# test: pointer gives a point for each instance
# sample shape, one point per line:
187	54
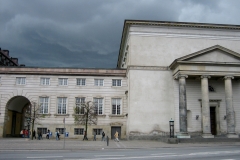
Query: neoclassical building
187	72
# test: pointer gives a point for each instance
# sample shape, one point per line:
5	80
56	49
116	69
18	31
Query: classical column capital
228	77
182	76
205	76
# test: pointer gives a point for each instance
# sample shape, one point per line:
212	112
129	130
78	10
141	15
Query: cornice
62	71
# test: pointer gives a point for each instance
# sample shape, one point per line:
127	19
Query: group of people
116	135
24	133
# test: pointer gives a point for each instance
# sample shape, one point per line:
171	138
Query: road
184	153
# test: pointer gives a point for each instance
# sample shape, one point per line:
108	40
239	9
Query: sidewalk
77	144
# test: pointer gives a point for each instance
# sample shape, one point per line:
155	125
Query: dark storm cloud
87	33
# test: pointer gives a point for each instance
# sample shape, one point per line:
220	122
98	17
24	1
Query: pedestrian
40	135
34	134
56	134
85	136
94	136
47	136
103	136
116	136
26	134
21	133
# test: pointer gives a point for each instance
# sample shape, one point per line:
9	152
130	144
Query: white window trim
116	83
21	81
80	84
44	81
103	107
48	104
98	79
121	105
63	84
76	103
66	106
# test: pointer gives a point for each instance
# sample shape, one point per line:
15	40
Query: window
21	80
43	105
62	81
79	102
43	130
211	89
61	130
98	131
116	82
116	106
81	82
62	105
45	81
98	82
78	131
98	105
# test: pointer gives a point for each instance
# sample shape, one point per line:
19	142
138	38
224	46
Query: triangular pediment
213	54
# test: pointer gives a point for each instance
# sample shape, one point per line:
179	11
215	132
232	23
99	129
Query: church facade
186	72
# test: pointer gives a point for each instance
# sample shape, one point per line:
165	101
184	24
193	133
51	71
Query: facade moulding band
212	100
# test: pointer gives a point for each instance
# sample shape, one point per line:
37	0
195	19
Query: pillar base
207	135
232	135
183	135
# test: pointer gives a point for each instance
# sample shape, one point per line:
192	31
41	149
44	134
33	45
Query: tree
85	114
33	115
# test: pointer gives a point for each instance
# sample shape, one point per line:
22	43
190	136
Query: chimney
6	52
15	60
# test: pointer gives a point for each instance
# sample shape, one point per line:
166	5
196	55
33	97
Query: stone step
206	140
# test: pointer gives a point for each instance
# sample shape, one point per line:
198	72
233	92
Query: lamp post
171	126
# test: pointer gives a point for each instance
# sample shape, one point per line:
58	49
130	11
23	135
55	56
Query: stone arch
14	120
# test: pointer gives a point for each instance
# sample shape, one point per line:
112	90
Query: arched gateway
15	116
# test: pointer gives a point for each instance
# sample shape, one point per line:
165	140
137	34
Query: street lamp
171	126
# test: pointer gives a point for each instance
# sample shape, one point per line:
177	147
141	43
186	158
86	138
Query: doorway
113	131
213	120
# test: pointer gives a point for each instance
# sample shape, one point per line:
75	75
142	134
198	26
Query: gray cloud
87	33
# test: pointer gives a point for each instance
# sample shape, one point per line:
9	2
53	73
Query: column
229	108
182	107
205	108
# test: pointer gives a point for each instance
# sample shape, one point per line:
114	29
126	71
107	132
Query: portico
197	66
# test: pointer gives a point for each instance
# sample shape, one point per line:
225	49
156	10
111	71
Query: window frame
97	82
21	80
98	105
82	81
61	81
43	130
115	108
61	130
42	110
115	82
61	109
43	81
80	131
98	131
79	104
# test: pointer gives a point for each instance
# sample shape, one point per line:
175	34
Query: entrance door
113	131
13	123
213	120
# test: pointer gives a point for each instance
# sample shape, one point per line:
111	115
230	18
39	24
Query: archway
15	116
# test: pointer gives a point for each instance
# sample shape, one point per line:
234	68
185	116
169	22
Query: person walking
94	136
116	136
56	134
85	136
103	136
21	133
47	136
34	134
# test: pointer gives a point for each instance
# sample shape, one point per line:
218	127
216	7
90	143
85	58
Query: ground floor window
78	131
61	130
42	130
98	131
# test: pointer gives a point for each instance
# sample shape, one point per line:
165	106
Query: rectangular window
98	105
62	105
116	82
78	131
81	82
43	130
98	131
45	81
43	105
61	130
79	102
98	82
21	80
62	81
116	106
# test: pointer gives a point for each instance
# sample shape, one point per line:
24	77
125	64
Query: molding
61	115
212	100
228	77
151	68
113	115
116	124
205	76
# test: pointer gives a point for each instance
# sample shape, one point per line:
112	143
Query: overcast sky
87	33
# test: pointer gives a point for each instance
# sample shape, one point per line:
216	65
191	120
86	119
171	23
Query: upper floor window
62	81
21	80
116	82
45	81
116	106
44	105
81	82
98	105
62	105
79	102
98	82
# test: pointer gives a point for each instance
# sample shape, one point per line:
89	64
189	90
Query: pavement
18	144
